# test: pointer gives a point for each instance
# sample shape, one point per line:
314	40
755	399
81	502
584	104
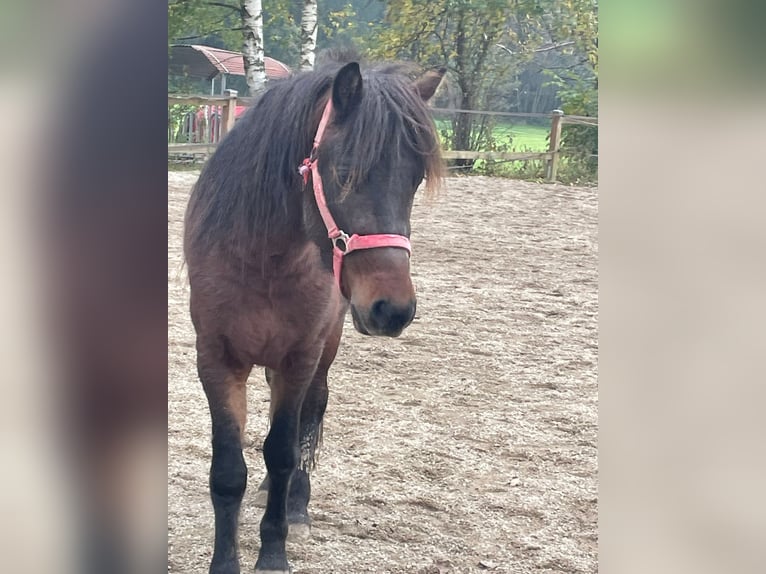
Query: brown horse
267	285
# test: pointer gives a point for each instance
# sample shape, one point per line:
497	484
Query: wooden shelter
215	65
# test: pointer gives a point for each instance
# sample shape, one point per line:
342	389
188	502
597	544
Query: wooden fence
229	102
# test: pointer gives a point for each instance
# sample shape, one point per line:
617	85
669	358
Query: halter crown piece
342	243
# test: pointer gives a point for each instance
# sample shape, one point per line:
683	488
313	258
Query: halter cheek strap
342	243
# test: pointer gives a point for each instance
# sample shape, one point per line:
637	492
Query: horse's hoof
299	532
273	564
225	567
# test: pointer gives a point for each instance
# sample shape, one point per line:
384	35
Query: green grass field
522	137
516	137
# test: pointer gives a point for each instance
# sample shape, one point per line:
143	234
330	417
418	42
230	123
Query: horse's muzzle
383	318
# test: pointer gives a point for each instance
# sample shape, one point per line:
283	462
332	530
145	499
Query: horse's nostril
381	311
388	317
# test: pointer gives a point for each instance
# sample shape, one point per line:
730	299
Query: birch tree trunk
308	34
252	50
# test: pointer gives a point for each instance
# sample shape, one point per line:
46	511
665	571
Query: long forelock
391	119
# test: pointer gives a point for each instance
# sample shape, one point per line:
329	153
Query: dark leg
312	413
310	433
224	382
281	453
300	487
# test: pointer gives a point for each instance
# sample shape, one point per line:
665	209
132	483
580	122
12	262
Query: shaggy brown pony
260	270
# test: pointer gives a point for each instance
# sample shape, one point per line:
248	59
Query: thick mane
251	186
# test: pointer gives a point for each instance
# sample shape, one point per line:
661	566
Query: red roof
206	62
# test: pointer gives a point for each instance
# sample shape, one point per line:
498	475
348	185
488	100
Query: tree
462	35
308	34
485	45
577	86
252	48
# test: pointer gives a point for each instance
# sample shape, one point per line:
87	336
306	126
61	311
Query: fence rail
229	102
497	155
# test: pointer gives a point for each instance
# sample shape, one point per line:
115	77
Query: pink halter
342	243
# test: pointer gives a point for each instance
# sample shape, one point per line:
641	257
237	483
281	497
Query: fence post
228	112
555	142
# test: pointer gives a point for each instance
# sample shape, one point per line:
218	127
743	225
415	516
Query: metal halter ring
341	242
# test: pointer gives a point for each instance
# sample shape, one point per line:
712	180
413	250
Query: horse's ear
347	90
427	83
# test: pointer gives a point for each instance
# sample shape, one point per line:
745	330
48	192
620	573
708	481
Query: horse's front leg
224	382
281	452
312	413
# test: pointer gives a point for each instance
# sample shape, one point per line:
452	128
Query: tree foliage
215	23
577	88
460	35
485	45
219	24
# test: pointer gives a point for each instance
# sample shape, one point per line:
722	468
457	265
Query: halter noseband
342	243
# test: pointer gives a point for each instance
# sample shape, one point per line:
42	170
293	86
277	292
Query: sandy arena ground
468	444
